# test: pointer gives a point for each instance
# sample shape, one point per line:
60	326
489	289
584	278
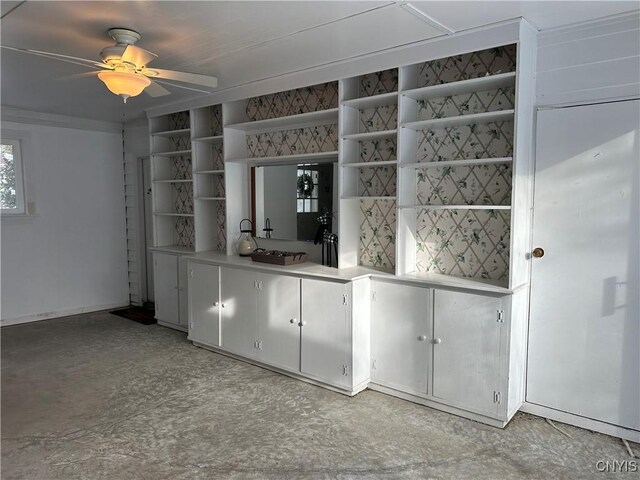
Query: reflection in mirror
290	198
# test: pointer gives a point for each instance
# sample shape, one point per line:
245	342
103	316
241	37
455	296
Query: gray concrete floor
99	396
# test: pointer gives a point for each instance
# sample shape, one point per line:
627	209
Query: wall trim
29	117
6	322
581	422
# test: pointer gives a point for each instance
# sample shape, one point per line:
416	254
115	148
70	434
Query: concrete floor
99	396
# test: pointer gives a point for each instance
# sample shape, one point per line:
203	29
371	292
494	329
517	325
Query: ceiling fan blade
138	56
85	62
92	73
164	82
156	90
193	78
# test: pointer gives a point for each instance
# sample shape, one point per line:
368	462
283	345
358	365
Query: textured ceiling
239	42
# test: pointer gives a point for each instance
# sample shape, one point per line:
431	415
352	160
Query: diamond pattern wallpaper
377	181
216	120
376	83
323	138
464	243
378	234
184	232
179	120
466	104
378	150
470	65
182	193
489	140
293	102
465	185
221	223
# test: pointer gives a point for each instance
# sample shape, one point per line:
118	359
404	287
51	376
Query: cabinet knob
293	320
302	323
215	304
436	341
222	305
422	338
538	252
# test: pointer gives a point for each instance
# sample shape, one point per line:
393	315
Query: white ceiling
239	42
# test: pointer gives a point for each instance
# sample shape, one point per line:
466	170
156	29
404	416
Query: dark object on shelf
267	228
279	257
328	240
137	314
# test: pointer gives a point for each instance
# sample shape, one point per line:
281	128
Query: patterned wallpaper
466	104
184	232
489	140
216	120
323	138
464	243
179	120
376	83
221	224
470	65
377	181
182	193
378	234
293	102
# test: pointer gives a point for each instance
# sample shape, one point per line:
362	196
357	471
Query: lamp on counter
246	244
125	84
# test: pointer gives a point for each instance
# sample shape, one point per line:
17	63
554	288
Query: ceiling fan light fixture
124	84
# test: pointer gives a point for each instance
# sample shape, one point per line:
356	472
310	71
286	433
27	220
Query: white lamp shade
124	84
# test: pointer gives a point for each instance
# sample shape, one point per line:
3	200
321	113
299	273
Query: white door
239	302
183	288
326	338
466	350
401	337
584	338
165	273
278	320
204	304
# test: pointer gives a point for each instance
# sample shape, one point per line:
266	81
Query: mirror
288	199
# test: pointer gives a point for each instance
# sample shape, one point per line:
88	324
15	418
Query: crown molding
29	117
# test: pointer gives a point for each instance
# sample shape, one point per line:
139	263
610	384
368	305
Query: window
307	190
11	178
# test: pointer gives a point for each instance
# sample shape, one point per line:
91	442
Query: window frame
20	183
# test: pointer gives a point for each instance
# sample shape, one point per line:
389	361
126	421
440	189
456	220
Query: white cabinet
466	350
326	336
401	338
239	312
261	316
170	287
204	304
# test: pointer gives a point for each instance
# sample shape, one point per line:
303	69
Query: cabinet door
326	337
165	281
204	304
239	312
466	350
401	339
278	318
183	288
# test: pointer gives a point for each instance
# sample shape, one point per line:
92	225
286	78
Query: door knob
422	338
538	252
436	341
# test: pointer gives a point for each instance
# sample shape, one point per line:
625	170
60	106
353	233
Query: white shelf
172	214
381	197
457	163
485	117
455	207
321	157
210	139
209	198
372	101
183	132
480	84
371	135
370	164
303	120
209	172
187	180
175	153
173	249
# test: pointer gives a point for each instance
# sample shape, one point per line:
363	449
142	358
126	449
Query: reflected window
307	189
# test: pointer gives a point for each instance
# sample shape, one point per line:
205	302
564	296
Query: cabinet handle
422	338
293	320
436	341
215	304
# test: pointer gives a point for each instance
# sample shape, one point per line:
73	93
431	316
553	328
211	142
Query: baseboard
6	322
172	326
582	422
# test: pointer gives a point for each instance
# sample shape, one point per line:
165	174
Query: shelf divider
484	117
302	120
480	84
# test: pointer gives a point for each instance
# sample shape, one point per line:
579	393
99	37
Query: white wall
278	200
70	256
589	63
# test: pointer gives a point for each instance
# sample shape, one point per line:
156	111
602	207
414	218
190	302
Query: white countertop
314	270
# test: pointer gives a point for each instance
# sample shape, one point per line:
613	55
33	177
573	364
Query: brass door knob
538	252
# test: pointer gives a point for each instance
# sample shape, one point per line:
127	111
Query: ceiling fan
124	68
